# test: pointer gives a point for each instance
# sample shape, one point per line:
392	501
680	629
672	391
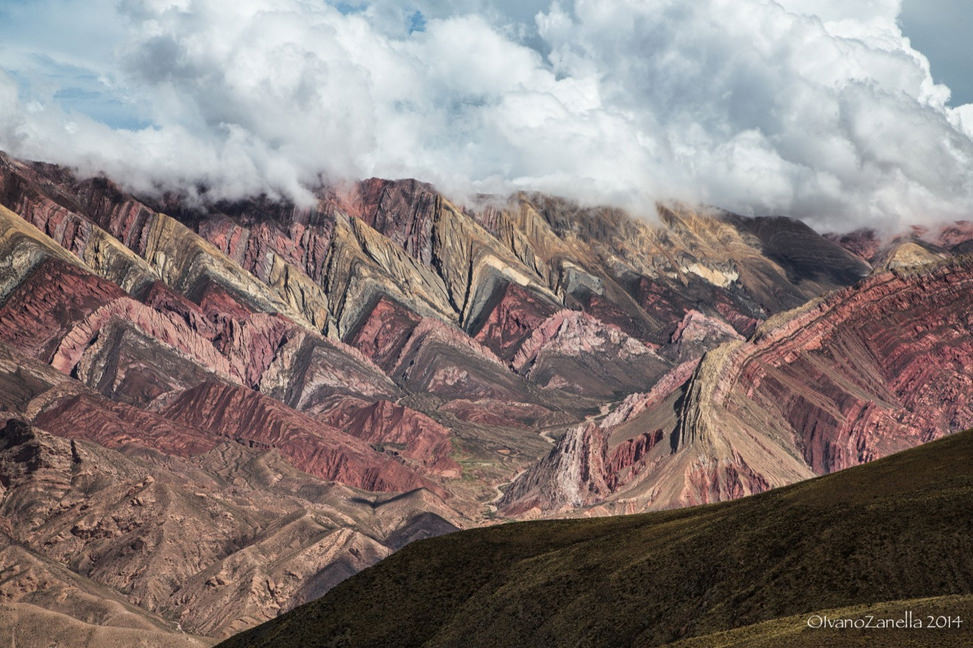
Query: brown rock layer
402	431
216	543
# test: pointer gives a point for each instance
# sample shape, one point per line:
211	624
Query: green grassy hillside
896	529
793	631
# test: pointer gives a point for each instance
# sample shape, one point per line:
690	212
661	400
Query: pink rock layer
236	413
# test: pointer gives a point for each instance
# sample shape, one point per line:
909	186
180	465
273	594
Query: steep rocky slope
841	381
215	543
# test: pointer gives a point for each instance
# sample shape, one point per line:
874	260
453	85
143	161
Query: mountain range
215	412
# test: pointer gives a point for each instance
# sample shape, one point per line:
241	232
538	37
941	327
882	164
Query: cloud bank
816	109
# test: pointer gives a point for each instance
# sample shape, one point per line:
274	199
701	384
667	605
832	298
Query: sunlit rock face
857	375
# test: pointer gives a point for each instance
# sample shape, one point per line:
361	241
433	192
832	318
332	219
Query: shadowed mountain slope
949	612
895	529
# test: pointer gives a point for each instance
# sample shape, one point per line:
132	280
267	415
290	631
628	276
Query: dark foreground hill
874	536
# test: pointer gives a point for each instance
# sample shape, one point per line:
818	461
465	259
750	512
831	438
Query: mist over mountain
212	414
298	296
819	110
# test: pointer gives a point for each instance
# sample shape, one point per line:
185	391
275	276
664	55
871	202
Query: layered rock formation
576	352
841	381
312	388
216	543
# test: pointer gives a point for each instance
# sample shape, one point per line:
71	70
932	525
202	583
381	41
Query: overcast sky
842	113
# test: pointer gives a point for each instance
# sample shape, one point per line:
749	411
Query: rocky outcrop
362	265
442	360
289	262
23	189
117	425
229	412
878	366
62	313
398	430
697	333
597	459
214	544
859	375
25	383
643	277
404	212
384	331
84	214
130	314
512	315
53	297
81	324
575	352
308	371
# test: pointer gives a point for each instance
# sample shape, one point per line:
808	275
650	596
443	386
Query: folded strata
843	380
312	388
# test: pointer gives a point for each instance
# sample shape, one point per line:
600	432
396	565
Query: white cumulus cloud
816	109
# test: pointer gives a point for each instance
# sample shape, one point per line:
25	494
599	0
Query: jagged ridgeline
231	408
